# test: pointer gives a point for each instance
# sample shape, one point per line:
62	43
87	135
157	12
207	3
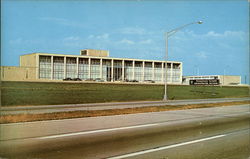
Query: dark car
150	81
67	79
134	81
77	79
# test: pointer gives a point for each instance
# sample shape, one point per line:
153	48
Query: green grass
44	93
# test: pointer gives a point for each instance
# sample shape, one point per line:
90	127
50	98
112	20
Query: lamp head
199	22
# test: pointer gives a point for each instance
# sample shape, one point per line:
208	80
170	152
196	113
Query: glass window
128	70
148	71
45	67
138	70
117	70
71	67
83	68
106	70
58	67
95	68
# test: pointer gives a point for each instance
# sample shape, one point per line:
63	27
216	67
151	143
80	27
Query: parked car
126	80
77	79
89	79
134	81
149	81
67	79
99	80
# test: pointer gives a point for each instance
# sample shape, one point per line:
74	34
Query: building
222	79
91	65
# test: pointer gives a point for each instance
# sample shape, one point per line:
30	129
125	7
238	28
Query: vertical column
77	67
112	70
133	70
52	70
153	71
123	70
37	67
180	72
162	72
89	69
2	73
64	72
101	68
143	70
171	73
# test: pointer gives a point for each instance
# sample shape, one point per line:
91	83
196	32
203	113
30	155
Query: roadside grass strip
95	113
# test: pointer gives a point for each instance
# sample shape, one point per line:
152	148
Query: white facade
58	67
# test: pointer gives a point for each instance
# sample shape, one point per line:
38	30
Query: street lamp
167	35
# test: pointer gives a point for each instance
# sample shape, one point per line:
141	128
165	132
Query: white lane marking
107	130
165	147
97	131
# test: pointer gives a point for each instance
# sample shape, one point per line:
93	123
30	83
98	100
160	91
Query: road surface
221	132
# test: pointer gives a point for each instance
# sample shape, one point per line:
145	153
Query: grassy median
51	93
94	113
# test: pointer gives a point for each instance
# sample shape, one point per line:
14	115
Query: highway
104	106
221	132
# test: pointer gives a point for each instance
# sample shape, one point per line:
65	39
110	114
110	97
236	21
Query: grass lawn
44	93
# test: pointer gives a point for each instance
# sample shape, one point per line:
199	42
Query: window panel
95	68
128	70
83	70
71	67
58	67
45	67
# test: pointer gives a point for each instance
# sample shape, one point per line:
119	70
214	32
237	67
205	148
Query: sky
132	29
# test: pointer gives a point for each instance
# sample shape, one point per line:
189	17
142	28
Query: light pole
167	35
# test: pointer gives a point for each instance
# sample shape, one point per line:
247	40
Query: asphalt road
221	132
104	106
232	145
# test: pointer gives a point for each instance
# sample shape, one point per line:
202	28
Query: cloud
62	21
102	36
91	41
91	36
201	55
72	38
148	41
227	34
132	30
126	41
22	41
224	45
213	34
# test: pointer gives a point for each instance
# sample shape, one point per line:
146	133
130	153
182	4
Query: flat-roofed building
96	64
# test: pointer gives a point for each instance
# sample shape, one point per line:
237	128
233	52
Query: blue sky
132	29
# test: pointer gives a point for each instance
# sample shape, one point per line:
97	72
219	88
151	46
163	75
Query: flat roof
97	57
